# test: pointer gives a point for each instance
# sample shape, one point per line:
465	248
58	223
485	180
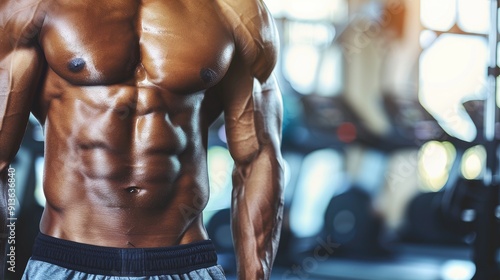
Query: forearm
257	214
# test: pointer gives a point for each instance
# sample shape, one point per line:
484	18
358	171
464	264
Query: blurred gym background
390	113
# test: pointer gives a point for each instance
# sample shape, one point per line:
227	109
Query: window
454	61
312	62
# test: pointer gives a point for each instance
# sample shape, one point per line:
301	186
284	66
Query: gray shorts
57	259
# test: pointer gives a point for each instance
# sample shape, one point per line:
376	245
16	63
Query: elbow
5	162
6	157
4	165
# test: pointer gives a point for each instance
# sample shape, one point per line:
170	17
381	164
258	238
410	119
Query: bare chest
180	47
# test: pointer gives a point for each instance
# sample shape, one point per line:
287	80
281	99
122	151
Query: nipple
76	65
133	190
207	75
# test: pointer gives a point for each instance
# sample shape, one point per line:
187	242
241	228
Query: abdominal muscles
138	159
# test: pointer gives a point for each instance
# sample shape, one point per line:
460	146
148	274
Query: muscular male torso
128	89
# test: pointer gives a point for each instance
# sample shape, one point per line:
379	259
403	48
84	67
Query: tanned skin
125	91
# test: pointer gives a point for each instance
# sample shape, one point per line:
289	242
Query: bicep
253	115
253	105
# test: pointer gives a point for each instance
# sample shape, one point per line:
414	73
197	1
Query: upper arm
20	68
251	97
253	114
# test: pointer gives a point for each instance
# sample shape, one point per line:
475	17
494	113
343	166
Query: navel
76	65
208	76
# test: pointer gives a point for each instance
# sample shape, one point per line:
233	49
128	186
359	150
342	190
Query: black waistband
124	262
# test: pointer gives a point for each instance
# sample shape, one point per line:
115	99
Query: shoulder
254	32
20	21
